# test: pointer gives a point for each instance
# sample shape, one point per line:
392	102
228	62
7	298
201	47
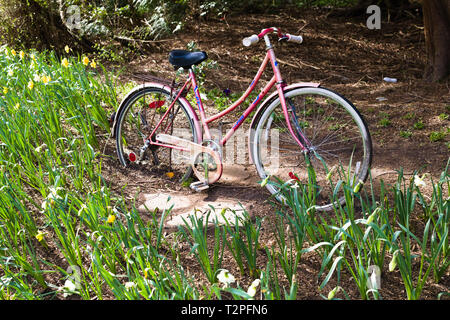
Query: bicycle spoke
139	119
332	131
338	141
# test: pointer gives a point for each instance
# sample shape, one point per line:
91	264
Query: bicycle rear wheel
340	142
138	118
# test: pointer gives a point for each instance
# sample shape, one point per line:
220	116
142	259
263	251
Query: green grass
419	125
384	122
405	134
437	136
409	116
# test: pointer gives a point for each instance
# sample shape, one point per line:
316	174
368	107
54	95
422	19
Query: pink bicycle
295	126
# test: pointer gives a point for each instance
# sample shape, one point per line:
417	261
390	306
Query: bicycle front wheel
339	141
138	118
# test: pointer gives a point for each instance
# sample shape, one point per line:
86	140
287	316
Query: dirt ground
342	54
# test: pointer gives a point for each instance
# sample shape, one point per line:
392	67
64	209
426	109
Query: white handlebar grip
250	40
298	39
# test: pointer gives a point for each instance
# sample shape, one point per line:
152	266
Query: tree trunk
46	28
83	41
436	20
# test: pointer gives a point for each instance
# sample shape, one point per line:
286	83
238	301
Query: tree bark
85	43
436	20
48	28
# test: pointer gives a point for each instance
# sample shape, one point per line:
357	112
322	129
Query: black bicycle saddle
186	59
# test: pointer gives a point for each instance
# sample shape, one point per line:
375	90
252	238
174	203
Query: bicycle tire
153	100
314	102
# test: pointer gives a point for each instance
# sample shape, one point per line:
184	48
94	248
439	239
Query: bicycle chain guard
197	151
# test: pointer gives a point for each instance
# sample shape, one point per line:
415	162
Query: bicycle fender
183	101
268	100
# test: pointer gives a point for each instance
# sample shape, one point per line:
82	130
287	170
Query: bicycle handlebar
298	39
248	41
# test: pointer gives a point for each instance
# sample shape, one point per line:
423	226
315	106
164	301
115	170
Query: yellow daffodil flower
170	174
67	49
46	79
85	61
65	63
31	85
111	219
40	236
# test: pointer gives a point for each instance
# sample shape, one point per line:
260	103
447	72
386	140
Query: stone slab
187	204
239	174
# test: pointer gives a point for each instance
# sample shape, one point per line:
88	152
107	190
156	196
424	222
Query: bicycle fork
298	129
297	134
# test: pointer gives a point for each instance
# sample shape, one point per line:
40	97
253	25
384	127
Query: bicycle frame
206	155
276	80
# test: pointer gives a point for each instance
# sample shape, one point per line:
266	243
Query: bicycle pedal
199	186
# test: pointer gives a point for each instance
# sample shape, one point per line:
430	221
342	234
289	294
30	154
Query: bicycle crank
204	160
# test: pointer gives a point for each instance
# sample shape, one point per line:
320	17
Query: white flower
82	208
44	206
40	148
252	289
373	283
54	193
225	277
419	181
69	288
69	285
130	285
